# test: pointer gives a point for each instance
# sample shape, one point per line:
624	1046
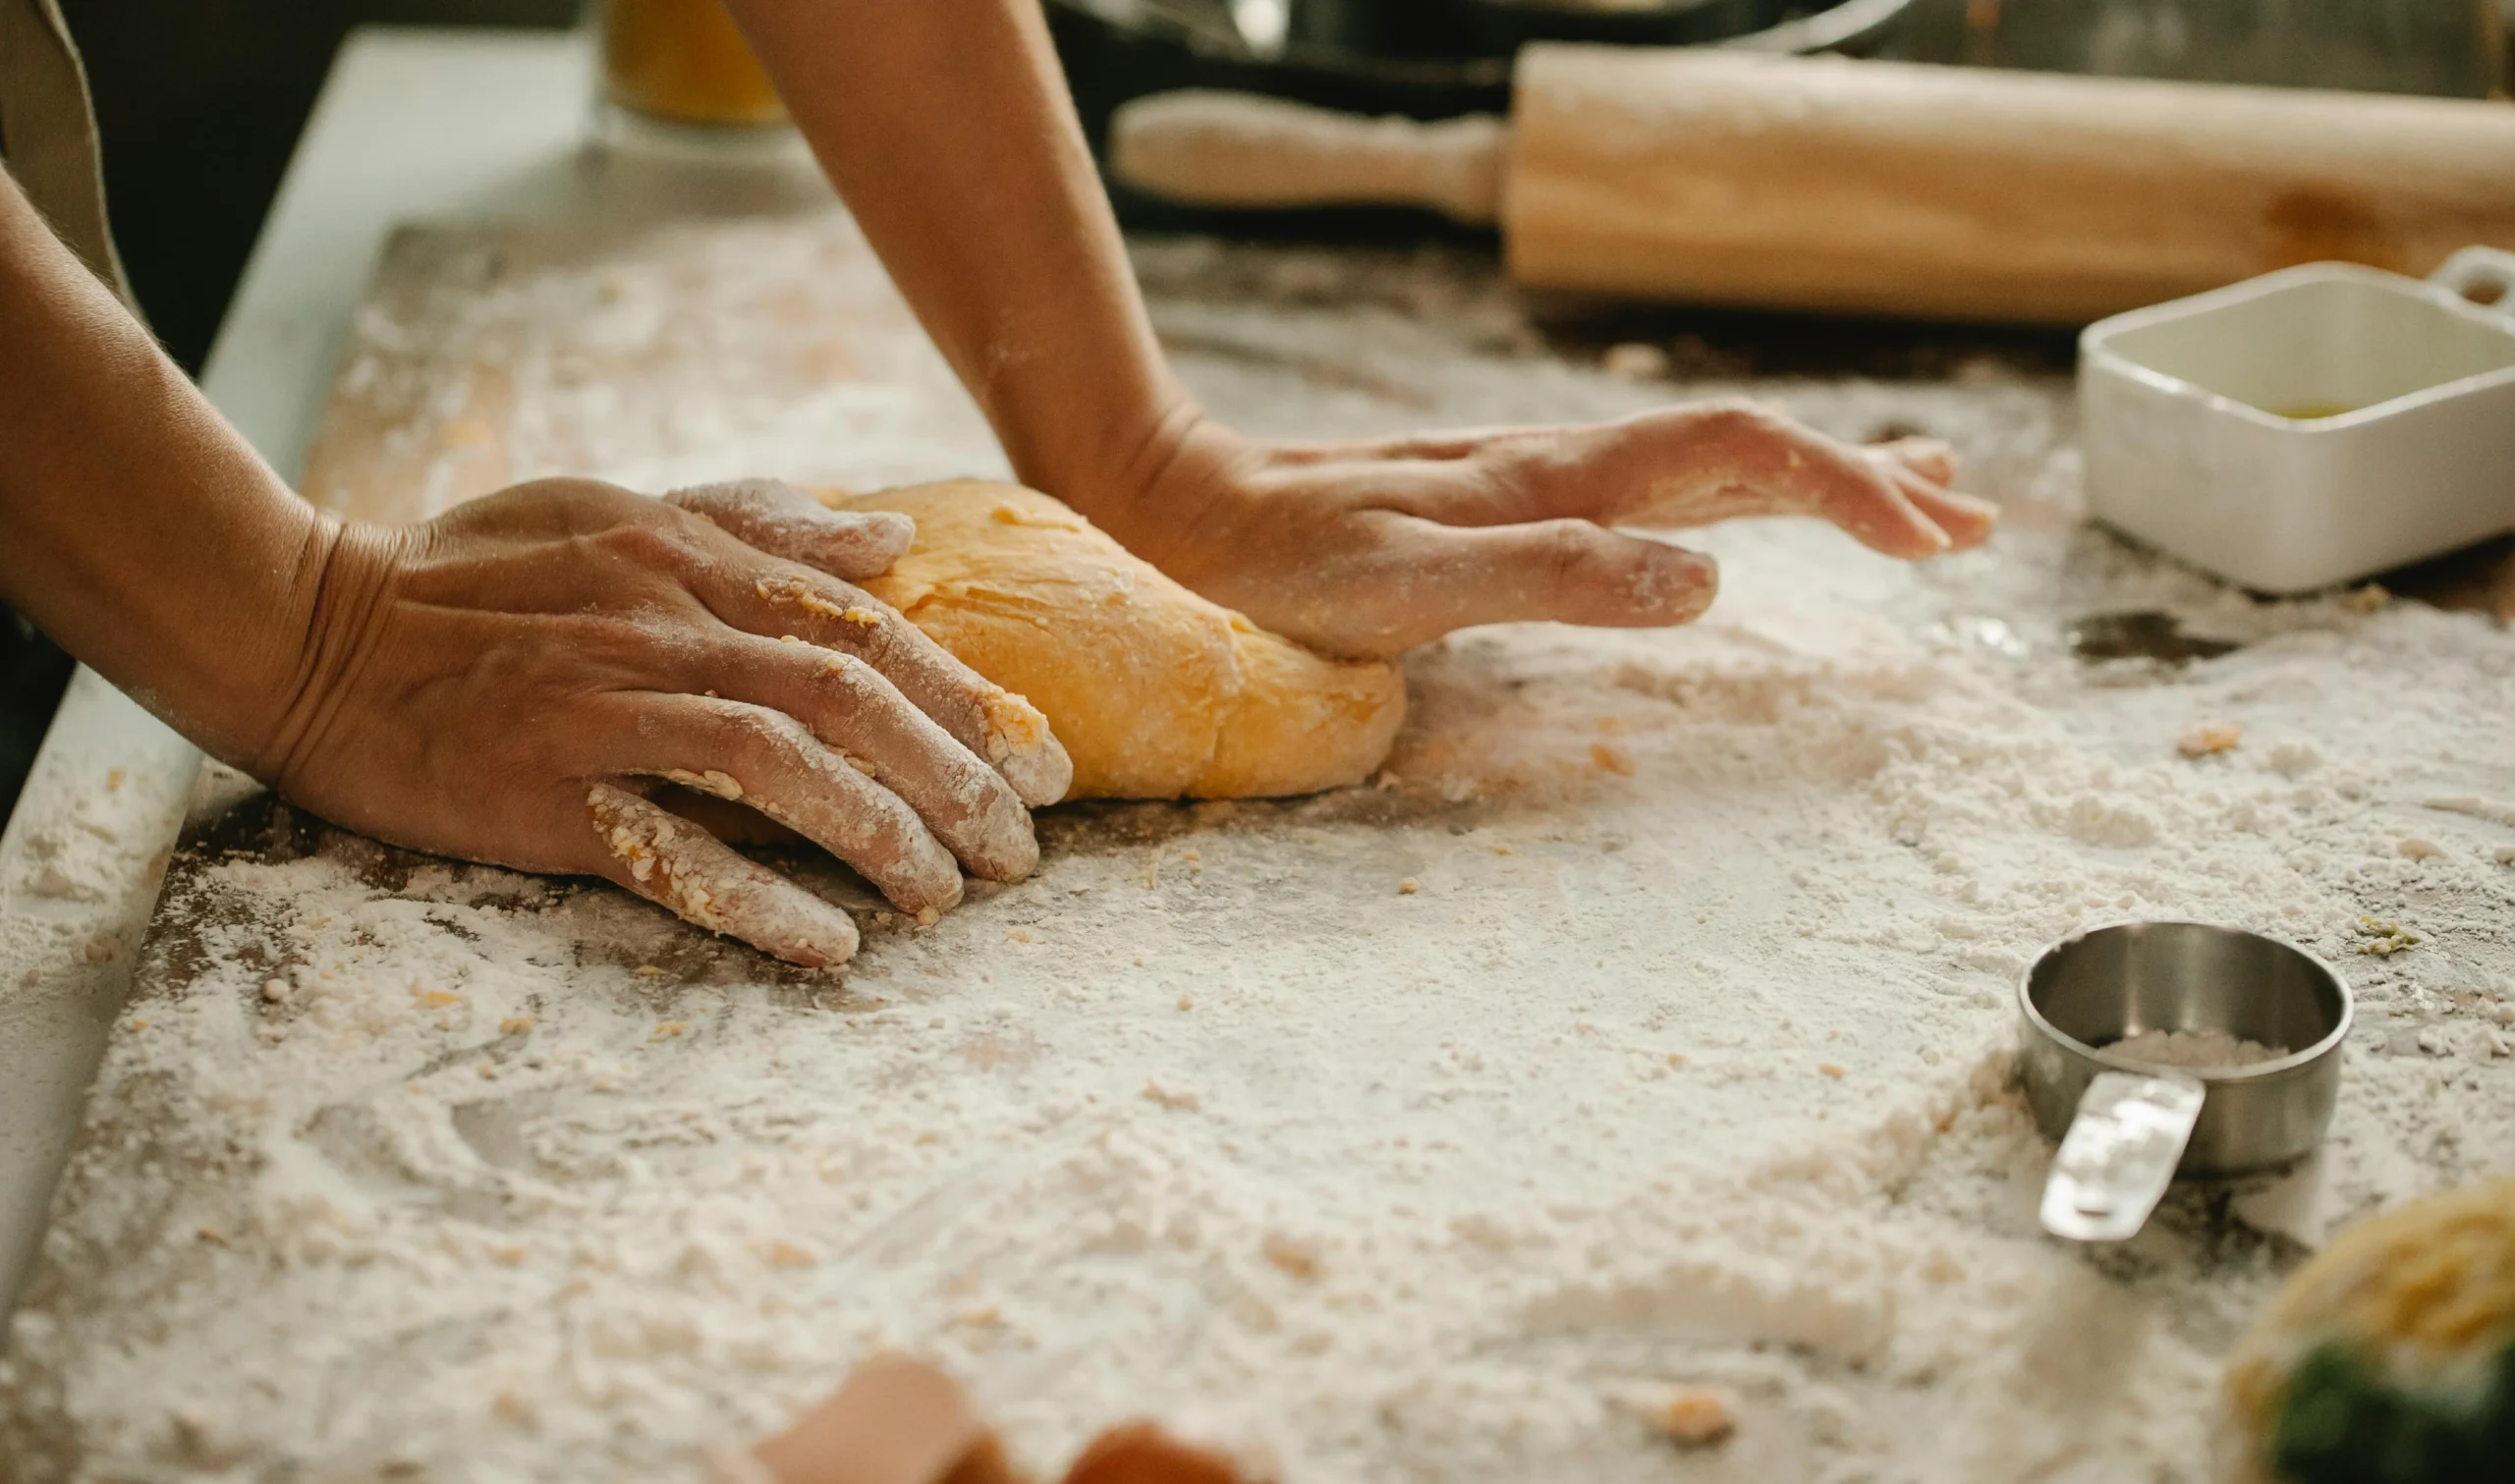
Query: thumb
1568	571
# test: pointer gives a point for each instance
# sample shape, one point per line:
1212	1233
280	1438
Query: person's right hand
1368	549
509	681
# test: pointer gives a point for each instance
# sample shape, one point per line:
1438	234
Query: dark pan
1425	59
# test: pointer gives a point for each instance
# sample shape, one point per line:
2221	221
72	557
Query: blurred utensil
1307	50
1714	176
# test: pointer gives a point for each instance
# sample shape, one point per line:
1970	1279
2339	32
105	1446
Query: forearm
136	528
946	126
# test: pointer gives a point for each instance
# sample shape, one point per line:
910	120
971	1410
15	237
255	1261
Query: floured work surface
1647	1030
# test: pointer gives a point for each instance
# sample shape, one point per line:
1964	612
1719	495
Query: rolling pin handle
1207	148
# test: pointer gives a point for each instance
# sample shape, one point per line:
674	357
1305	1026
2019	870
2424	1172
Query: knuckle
1571	551
1741	414
732	495
774	736
746	741
851	678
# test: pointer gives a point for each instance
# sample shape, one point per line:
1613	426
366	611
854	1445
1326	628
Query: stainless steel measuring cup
2128	1129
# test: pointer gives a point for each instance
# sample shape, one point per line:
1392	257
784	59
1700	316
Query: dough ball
1155	692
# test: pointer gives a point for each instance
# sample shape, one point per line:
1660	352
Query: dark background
200	103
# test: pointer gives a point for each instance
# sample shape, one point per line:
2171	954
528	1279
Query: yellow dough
1155	692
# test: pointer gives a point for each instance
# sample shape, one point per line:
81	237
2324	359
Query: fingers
1690	466
850	706
1966	522
1871	498
681	867
1922	470
784	521
769	761
1435	578
1694	465
1934	459
1002	728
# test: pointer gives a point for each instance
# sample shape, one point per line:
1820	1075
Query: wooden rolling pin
1835	185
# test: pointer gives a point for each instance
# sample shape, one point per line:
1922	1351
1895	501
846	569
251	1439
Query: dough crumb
1698	1416
2383	938
669	1031
1409	887
1184	1102
275	991
1291	1255
514	1025
2372	598
782	1253
2293	759
2413	848
1830	1070
1634	361
2210	739
1609	759
1187	1002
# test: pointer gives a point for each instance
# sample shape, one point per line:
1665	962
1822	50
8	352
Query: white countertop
1648	1028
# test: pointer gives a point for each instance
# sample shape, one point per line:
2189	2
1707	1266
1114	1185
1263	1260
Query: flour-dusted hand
1373	548
510	682
517	681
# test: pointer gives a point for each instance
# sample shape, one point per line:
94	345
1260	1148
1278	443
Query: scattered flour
2195	1048
1681	1075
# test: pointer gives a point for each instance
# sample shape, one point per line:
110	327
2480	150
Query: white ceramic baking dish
2312	426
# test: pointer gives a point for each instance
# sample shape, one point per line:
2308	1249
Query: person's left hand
1367	549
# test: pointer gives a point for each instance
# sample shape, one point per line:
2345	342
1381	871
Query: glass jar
685	62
